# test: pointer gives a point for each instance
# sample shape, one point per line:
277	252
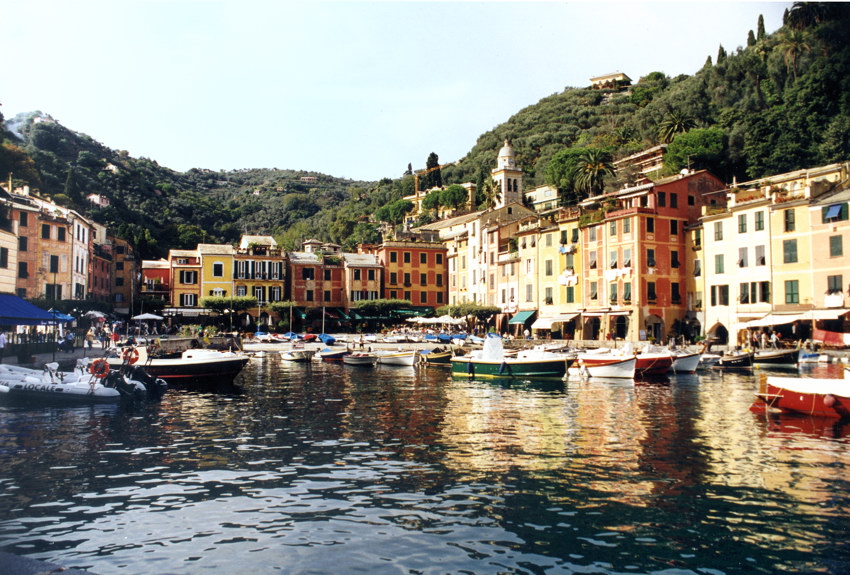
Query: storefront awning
548	322
344	316
775	319
522	316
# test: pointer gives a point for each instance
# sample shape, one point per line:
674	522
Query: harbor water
328	468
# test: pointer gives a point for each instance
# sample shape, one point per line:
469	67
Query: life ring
130	355
99	368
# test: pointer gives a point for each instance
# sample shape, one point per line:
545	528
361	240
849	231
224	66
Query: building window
719	265
393	257
548	296
439	297
423	279
356	275
834	213
742	223
744	293
188	277
674	200
423	297
718	231
119	282
692	201
423	258
591	232
548	267
439	258
407	295
836	246
188	300
650	292
662	199
675	294
327	275
439	280
23	219
627	226
218	270
23	243
407	280
674	259
790	221
4	257
594	292
759	221
119	266
45	231
370	275
789	251
529	292
650	225
612	288
60	234
309	295
327	295
393	278
407	257
760	259
22	270
674	227
571	294
650	258
743	260
834	285
308	273
627	292
241	291
612	229
792	291
697	268
612	259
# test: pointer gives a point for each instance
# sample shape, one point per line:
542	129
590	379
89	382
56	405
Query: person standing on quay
2	345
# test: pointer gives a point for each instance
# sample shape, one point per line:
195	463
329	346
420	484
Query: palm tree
675	123
793	45
591	169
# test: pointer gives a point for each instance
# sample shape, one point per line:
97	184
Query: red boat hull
815	404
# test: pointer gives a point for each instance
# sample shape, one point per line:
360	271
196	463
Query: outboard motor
156	386
128	389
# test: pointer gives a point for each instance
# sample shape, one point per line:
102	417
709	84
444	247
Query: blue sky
351	89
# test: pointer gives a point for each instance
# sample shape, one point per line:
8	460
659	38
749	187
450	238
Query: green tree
700	147
454	196
592	167
492	194
793	45
561	173
675	123
434	178
219	304
394	213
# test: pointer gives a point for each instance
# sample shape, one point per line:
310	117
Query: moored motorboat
297	353
491	361
778	357
193	366
406	357
441	357
330	354
361	358
605	365
735	360
685	361
807	396
90	382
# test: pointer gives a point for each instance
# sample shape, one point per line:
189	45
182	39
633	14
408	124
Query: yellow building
185	282
257	269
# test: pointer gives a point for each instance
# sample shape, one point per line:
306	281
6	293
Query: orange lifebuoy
130	355
99	368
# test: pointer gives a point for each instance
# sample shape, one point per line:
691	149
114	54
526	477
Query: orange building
415	271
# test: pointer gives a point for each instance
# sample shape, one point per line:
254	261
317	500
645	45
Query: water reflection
311	467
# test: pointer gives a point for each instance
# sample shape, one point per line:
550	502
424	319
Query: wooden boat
685	362
436	357
469	366
193	366
807	396
407	357
735	360
361	358
330	354
297	355
492	361
606	365
653	363
777	357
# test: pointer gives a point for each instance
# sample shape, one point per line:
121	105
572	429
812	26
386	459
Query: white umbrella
95	313
147	316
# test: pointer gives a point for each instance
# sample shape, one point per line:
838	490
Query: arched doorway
591	328
719	334
620	326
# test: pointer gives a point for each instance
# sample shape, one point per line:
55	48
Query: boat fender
470	369
130	355
505	367
833	402
99	368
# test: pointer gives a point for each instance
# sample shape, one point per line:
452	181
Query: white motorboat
191	366
90	382
297	353
602	365
684	361
360	358
407	357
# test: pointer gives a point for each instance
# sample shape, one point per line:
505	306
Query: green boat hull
511	368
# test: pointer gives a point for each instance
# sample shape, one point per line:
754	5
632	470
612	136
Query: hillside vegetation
779	102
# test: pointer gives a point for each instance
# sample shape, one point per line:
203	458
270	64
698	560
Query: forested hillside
777	103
